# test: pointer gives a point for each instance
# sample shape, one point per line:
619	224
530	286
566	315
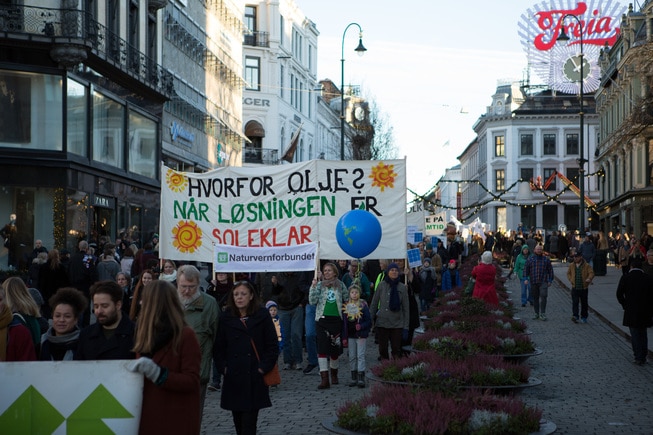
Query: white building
528	136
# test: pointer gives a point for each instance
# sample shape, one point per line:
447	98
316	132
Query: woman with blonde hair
169	272
23	307
168	355
15	339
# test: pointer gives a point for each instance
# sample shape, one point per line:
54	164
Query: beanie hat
452	261
427	260
392	266
269	304
429	246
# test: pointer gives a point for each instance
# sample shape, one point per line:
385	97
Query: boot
325	381
354	379
334	376
361	379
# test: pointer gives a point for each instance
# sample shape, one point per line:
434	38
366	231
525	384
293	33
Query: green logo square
223	257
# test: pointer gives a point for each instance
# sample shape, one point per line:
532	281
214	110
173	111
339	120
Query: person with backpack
428	286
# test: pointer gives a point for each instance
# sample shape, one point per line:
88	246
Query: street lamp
360	50
581	160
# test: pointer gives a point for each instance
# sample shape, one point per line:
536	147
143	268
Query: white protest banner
70	397
435	224
230	258
279	206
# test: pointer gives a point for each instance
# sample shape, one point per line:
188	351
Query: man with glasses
201	313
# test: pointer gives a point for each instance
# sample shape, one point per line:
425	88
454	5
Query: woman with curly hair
59	343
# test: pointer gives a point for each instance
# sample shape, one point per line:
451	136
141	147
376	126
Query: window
548	172
549	144
500	146
253	73
297	45
572	143
526	174
572	174
282	31
282	73
526	145
142	145
108	130
250	18
77	117
500	180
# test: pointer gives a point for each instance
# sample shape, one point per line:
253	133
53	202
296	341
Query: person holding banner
390	311
328	297
169	357
246	348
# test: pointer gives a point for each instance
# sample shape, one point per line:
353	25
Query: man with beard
201	313
112	337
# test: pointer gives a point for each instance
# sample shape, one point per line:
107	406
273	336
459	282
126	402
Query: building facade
531	136
81	99
625	151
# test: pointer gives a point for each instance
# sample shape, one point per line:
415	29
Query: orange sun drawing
186	236
176	182
383	176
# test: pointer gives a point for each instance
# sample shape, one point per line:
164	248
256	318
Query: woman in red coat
169	357
484	274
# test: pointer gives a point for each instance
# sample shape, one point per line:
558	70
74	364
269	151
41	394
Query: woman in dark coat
245	330
52	276
169	357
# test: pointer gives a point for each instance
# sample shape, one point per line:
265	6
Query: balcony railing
262	156
75	28
257	39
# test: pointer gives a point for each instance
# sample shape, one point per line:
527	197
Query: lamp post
581	137
360	50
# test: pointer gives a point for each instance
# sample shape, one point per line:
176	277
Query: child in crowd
359	323
272	308
451	277
428	285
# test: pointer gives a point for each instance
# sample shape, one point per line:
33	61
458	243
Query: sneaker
287	367
309	368
542	316
213	387
574	319
583	320
536	317
298	367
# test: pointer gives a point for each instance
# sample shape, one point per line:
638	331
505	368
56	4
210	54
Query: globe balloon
358	233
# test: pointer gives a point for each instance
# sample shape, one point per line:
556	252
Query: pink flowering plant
438	373
491	340
394	409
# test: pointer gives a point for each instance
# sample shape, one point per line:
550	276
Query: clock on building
573	66
359	113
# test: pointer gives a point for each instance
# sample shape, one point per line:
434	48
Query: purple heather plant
400	409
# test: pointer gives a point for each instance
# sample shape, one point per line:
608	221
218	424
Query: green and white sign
69	397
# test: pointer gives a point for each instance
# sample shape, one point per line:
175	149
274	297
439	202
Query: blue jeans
525	292
292	325
311	335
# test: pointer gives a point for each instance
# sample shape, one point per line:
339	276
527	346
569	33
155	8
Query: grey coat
379	307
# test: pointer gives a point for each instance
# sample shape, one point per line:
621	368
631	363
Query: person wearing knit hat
451	277
392	315
272	307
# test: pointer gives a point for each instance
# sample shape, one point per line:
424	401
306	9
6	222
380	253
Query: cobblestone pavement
589	383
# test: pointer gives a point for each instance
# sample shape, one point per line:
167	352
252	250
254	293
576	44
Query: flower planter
506	389
522	357
546	427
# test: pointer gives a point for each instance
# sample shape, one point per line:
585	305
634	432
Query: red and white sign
595	22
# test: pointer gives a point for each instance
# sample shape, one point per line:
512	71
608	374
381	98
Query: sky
431	66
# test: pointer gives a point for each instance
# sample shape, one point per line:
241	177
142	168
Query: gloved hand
404	335
146	366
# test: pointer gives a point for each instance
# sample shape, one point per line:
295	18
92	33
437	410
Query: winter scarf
394	303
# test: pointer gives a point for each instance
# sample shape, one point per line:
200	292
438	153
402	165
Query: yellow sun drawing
352	310
186	236
176	182
383	176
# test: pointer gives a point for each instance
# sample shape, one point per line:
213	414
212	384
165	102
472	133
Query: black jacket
291	289
243	388
635	294
94	346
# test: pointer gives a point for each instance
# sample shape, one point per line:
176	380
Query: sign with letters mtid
280	206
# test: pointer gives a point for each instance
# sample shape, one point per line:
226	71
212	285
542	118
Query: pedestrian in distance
246	348
484	274
328	295
168	355
635	296
539	271
580	275
520	263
